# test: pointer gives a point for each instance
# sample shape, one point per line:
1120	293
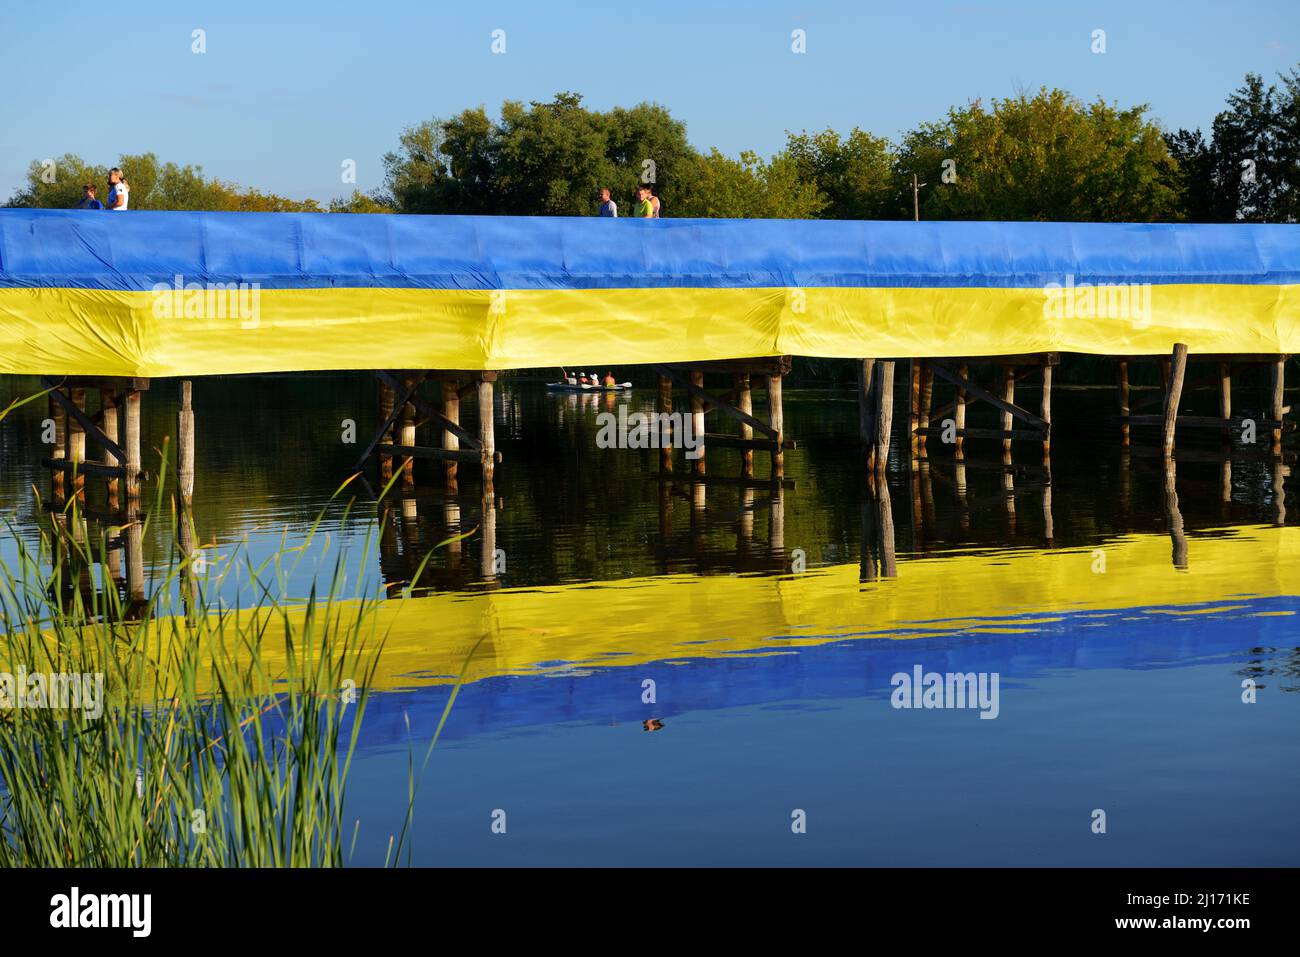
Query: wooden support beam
1005	434
60	447
914	406
1214	422
866	410
665	408
387	398
698	392
1278	377
1045	410
446	422
697	421
80	423
131	438
959	409
760	365
739	442
1121	379
77	435
406	429
884	389
745	403
1173	396
985	396
185	442
82	469
927	399
427	452
1009	397
451	436
776	416
384	434
487	433
108	421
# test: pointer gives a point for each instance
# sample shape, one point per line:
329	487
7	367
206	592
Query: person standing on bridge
118	190
607	206
644	208
88	200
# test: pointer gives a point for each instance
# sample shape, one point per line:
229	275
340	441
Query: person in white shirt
118	190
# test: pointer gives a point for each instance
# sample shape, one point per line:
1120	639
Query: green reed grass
204	755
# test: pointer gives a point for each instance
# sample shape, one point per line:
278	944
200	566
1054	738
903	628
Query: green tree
1041	157
751	188
855	173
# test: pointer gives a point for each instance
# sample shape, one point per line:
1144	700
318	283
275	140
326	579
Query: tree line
1033	156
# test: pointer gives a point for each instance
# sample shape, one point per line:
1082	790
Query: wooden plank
93	469
986	396
739	442
425	452
1004	434
758	365
734	413
1213	422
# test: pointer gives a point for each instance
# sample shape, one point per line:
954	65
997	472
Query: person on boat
119	190
571	379
88	200
644	208
607	206
609	380
654	201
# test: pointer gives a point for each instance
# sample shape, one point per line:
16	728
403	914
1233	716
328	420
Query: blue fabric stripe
136	250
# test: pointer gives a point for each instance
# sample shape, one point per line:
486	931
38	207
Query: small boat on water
566	387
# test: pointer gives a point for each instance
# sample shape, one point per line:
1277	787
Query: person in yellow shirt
644	208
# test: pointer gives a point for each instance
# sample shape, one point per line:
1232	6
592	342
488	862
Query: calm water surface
1120	611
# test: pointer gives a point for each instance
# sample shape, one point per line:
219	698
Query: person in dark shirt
88	200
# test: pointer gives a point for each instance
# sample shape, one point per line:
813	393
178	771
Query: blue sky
286	92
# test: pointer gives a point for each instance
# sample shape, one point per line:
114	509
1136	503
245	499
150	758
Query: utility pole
916	199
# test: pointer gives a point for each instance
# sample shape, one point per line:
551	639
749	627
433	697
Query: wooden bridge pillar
108	421
1177	369
697	422
450	441
1277	407
776	418
1121	379
959	412
185	442
58	452
745	403
77	441
131	444
487	431
665	408
884	417
386	399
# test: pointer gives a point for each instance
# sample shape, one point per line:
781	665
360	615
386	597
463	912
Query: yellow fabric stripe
92	332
